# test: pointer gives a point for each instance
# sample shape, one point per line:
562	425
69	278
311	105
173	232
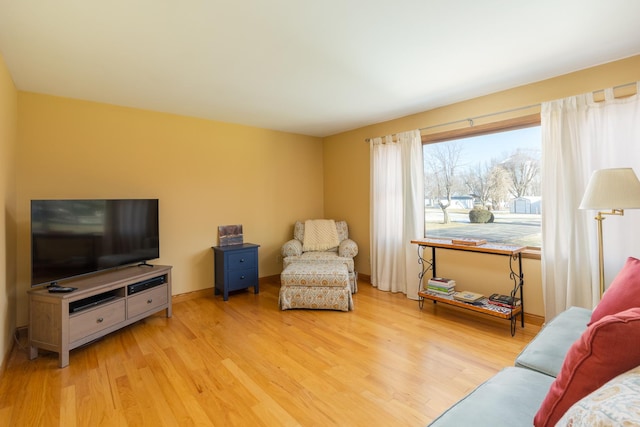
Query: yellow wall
208	173
205	174
8	141
348	153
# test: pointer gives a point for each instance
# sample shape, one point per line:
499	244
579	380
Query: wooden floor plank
245	362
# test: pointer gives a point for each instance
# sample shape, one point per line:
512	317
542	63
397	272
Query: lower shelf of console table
510	314
103	303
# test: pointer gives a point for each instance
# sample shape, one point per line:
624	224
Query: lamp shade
617	188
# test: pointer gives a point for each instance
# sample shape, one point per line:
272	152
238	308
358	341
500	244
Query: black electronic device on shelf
145	284
92	301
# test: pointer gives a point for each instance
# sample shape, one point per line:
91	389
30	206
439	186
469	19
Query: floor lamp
613	190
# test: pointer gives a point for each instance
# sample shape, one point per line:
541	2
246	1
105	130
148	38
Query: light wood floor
244	362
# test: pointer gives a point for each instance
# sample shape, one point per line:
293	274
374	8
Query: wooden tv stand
103	303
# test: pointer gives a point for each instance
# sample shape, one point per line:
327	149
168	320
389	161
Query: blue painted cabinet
236	267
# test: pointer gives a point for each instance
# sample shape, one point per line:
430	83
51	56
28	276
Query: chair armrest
348	248
292	248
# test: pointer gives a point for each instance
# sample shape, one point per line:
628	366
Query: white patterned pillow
617	403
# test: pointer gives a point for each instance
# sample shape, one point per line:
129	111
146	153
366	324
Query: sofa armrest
291	248
348	248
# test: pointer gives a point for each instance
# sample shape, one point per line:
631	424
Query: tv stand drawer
151	300
91	321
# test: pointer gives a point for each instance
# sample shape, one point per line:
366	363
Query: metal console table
514	253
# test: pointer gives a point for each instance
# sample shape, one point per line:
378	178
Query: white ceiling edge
305	67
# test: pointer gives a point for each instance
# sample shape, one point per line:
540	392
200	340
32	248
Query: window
485	184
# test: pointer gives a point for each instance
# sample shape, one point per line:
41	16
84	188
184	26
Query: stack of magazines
504	300
441	285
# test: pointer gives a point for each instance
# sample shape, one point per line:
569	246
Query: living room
208	173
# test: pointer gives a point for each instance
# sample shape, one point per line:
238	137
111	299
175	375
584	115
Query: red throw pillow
608	348
622	294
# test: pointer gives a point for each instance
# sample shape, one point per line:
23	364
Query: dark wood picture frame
230	235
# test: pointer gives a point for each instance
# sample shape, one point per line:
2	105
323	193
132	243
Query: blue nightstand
236	267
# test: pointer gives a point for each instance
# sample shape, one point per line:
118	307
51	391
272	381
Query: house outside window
485	186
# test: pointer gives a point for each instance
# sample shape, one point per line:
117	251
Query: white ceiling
315	67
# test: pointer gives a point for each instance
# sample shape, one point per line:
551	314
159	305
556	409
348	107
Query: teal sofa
513	396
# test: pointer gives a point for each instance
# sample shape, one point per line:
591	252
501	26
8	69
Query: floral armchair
295	251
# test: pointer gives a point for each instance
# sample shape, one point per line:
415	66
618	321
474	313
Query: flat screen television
70	238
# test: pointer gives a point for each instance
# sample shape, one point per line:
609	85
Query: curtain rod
471	119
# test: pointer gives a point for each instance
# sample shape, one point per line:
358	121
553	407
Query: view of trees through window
485	187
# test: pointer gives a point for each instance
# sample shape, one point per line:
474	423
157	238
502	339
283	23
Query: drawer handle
149	301
241	277
99	320
241	259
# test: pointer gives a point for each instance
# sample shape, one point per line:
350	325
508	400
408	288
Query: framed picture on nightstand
230	235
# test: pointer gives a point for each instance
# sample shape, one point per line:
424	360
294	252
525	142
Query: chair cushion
606	349
298	231
343	230
315	274
623	293
319	257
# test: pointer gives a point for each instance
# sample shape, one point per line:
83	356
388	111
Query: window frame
483	129
515	123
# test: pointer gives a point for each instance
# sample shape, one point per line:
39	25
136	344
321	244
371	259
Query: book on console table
504	300
441	285
441	291
466	296
442	281
468	242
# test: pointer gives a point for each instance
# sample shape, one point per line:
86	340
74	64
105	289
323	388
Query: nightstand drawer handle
149	301
241	259
99	320
241	277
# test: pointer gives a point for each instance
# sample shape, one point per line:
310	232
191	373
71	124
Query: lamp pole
600	217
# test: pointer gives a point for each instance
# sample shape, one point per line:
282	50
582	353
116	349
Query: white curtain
397	211
579	136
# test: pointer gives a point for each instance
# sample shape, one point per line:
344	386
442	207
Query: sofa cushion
546	352
617	403
623	293
509	398
606	349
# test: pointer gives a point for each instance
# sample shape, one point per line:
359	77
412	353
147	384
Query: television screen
70	238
